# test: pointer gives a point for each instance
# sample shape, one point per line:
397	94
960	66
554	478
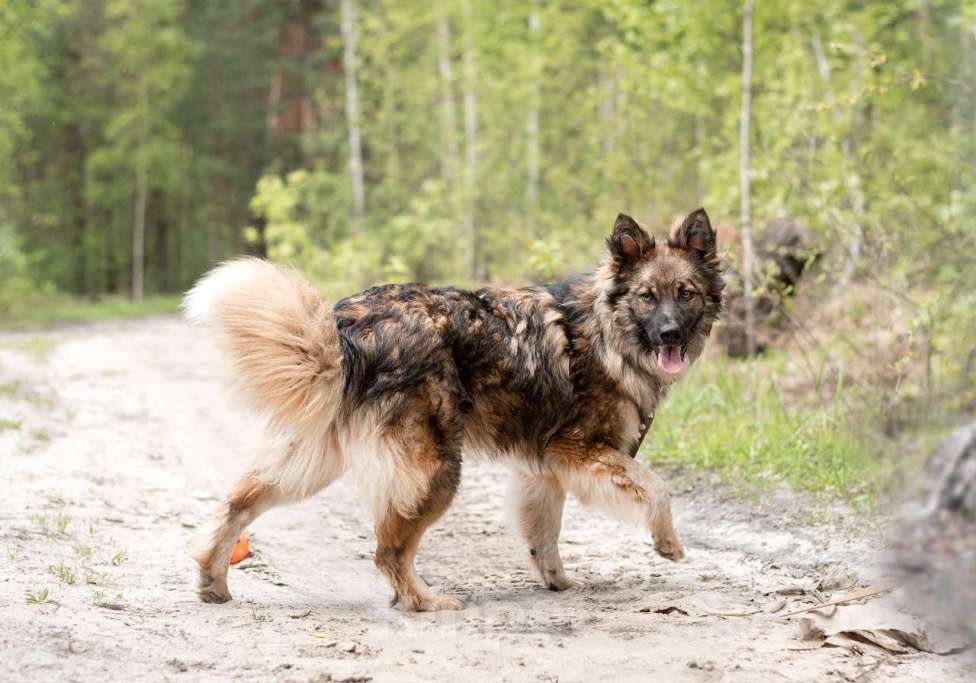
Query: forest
470	141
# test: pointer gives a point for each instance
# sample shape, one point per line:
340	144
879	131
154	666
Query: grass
38	347
85	552
61	309
38	597
93	578
40	435
729	416
65	574
7	423
11	389
61	522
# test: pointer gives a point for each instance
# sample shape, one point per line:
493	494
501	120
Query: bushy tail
280	337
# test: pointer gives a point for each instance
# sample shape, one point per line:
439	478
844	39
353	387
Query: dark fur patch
513	369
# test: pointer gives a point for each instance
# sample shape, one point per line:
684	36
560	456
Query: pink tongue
669	357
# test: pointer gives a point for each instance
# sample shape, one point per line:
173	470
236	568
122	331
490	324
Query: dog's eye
648	295
687	294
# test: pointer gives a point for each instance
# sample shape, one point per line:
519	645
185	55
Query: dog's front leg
617	483
538	510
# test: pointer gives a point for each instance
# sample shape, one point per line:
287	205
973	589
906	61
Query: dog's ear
629	244
695	234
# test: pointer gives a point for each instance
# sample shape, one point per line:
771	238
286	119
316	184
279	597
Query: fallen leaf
878	627
880	587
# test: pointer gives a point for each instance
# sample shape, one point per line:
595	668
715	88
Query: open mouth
670	359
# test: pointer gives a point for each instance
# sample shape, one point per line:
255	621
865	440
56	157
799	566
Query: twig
880	587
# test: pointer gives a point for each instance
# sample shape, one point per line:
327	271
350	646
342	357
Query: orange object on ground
242	549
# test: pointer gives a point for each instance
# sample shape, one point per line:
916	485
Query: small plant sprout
65	574
41	435
61	522
40	521
85	552
98	579
39	597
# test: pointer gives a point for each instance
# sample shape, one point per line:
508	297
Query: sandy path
124	443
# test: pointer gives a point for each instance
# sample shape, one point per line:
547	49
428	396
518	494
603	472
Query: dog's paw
441	602
211	591
670	549
561	582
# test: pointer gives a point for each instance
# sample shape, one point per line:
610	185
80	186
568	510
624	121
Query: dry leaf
873	628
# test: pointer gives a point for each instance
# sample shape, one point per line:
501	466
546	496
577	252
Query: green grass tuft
7	423
64	573
729	416
39	597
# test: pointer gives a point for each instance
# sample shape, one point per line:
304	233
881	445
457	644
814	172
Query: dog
394	384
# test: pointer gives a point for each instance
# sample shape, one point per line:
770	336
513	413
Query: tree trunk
451	162
532	124
139	232
352	115
606	108
161	243
218	186
470	141
852	180
748	255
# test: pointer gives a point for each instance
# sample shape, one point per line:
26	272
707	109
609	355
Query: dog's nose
670	334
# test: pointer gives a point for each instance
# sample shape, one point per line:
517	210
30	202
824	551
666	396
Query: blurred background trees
478	141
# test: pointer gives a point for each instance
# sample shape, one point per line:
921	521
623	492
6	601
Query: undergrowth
730	416
60	309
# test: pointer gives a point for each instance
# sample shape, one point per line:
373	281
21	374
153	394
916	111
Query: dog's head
664	297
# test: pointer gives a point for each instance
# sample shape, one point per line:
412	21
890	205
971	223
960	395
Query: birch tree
470	140
745	187
348	28
532	122
451	162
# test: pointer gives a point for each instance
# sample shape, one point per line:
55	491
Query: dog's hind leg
622	486
408	511
538	502
292	473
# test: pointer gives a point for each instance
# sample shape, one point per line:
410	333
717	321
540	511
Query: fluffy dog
394	384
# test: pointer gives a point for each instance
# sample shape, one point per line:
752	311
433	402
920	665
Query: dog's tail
280	337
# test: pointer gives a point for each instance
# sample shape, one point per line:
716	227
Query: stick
880	587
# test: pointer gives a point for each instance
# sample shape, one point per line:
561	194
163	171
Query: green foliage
39	597
16	279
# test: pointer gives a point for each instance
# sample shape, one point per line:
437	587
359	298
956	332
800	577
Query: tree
745	169
147	58
352	114
470	140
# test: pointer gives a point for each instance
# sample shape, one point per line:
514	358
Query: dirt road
116	441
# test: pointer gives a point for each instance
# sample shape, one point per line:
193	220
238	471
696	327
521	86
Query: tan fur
538	502
280	338
621	486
